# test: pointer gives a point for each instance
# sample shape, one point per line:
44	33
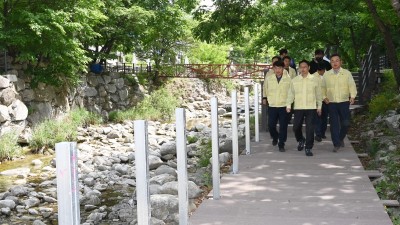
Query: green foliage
9	147
205	153
373	148
203	53
44	35
167	33
192	139
207	179
385	100
160	105
299	25
82	117
50	132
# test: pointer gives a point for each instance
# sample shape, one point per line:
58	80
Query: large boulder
4	82
7	204
164	206
393	122
7	96
4	115
18	110
168	148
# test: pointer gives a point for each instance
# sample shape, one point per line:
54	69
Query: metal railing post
67	184
182	166
142	172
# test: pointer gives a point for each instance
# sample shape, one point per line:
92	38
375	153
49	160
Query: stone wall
97	93
13	112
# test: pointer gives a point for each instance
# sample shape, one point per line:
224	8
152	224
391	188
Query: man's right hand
326	100
288	110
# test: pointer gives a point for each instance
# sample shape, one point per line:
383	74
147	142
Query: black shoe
281	149
318	138
323	136
300	147
342	144
308	152
274	142
335	149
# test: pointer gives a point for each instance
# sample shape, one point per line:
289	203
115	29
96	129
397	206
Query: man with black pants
276	89
305	92
339	92
321	122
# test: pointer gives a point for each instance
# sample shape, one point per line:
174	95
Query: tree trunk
387	36
396	6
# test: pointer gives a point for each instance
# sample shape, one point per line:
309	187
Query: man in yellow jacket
292	72
339	92
305	92
276	89
321	122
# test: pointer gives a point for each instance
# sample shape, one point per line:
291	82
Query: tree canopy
58	40
345	26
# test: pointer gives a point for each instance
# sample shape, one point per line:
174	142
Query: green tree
203	53
45	36
385	24
124	24
301	26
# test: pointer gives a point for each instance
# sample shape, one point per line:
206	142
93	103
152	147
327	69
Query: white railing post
67	184
182	166
215	148
235	138
256	112
142	172
247	119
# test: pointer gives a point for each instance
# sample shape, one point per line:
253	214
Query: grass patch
385	100
50	132
192	139
205	152
9	147
160	105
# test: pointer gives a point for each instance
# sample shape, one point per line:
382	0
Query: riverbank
107	168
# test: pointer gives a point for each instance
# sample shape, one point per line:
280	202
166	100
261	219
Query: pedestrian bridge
291	189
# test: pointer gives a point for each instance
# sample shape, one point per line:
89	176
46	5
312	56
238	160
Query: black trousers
339	114
299	116
276	114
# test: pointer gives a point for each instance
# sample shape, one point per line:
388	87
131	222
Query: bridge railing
221	71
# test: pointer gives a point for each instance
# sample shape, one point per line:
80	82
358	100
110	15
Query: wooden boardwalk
289	188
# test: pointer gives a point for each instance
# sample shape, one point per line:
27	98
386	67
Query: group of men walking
318	90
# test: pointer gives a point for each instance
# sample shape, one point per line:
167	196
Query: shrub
385	100
50	132
160	105
192	139
9	147
205	152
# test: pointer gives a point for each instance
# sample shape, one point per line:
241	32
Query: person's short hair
319	52
279	63
283	51
321	66
276	57
335	54
287	57
304	61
